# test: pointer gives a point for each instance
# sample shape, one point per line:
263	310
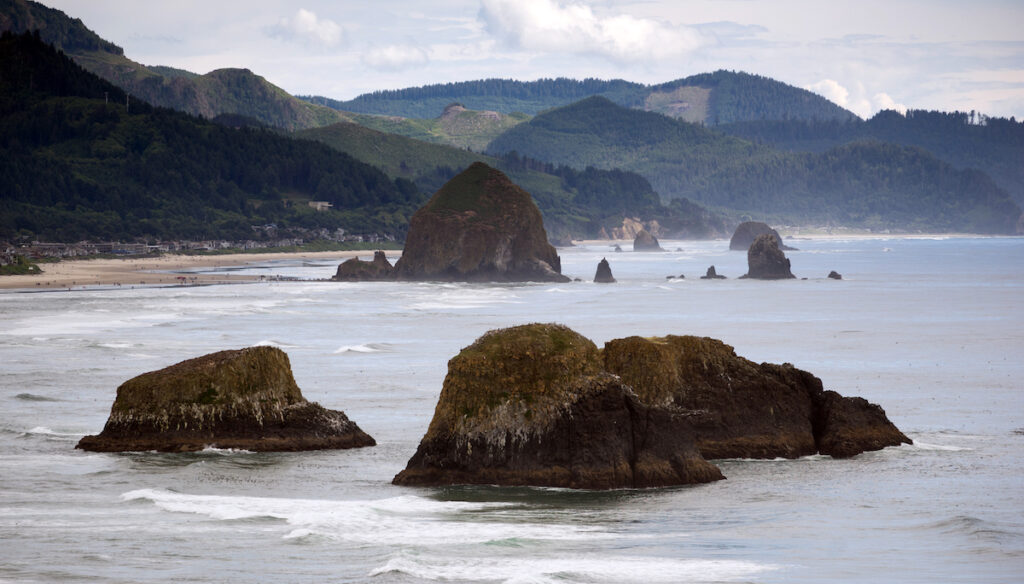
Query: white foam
938	447
398	521
364	348
580	567
116	345
273	343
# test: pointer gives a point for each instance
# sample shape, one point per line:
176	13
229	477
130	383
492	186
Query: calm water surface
931	329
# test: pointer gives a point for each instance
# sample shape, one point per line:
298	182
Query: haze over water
930	329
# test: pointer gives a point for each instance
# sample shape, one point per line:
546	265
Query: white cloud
883	101
831	90
549	26
395	57
308	28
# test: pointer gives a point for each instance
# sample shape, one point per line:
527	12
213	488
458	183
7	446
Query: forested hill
965	140
869	185
226	91
76	163
501	95
711	98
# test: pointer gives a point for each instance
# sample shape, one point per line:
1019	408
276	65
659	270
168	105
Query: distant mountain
575	203
225	91
869	184
992	145
456	126
710	98
76	164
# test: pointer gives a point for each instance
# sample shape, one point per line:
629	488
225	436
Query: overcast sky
864	55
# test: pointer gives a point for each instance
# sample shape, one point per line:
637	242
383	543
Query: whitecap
938	447
273	343
364	348
580	567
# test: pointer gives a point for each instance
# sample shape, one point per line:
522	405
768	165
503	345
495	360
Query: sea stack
604	273
748	231
712	274
245	399
480	227
644	241
765	261
532	405
356	270
740	409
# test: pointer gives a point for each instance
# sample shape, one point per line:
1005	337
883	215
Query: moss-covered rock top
527	372
226	379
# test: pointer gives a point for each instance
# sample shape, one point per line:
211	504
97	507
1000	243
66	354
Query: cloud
308	28
550	26
882	101
395	57
831	90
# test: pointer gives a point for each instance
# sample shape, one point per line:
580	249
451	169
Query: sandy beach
157	271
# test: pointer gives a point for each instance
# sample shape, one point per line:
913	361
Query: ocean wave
582	567
365	348
273	343
939	447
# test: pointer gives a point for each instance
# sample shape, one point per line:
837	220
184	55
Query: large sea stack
741	409
245	399
480	226
748	231
532	405
765	261
604	273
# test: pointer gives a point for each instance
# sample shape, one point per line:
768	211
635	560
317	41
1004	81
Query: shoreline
80	274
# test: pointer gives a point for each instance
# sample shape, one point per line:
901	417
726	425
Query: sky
865	55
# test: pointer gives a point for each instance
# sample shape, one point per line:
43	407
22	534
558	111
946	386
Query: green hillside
225	91
992	145
78	166
868	185
575	203
456	126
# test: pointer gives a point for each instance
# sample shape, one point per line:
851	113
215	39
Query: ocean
932	329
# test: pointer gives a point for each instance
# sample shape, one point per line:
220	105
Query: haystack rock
765	261
356	270
748	231
479	226
604	273
644	241
532	405
739	409
245	399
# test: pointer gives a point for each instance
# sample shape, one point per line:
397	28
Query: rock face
604	273
644	241
748	231
356	270
739	409
765	261
479	226
712	274
245	399
531	405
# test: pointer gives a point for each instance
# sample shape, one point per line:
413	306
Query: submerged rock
245	399
765	261
712	274
356	270
748	231
739	409
480	226
604	273
531	405
644	241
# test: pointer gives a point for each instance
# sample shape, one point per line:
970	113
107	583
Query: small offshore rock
245	399
356	270
712	274
644	241
604	273
835	275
